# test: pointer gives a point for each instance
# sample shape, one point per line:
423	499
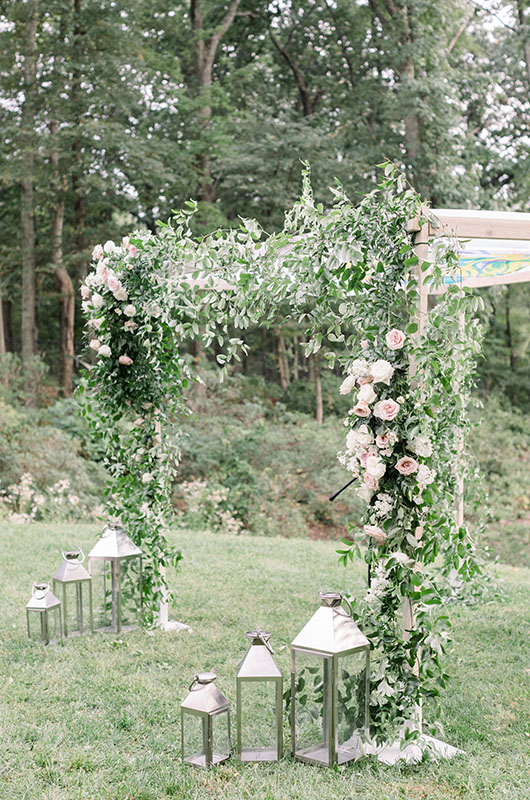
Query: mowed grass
99	717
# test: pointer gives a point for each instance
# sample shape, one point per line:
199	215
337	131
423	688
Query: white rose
121	294
347	384
109	247
104	351
97	300
365	436
365	493
382	371
424	475
375	467
366	393
129	310
422	446
147	477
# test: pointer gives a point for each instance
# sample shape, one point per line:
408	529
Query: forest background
115	113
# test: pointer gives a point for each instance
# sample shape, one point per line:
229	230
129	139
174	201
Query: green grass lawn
99	718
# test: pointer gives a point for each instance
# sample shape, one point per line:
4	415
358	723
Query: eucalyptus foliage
350	274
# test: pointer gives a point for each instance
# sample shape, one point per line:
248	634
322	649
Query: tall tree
27	210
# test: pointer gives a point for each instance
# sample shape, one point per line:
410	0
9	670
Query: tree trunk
509	337
296	374
205	52
523	14
62	279
27	213
314	375
283	365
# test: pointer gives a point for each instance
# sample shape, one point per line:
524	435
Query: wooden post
459	498
421	248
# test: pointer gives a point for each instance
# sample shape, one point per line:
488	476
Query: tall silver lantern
330	673
205	723
72	574
117	561
259	686
45	608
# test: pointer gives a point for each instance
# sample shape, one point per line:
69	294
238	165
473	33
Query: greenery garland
349	274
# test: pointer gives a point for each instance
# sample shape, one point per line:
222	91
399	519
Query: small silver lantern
117	557
72	573
44	603
205	723
330	673
259	686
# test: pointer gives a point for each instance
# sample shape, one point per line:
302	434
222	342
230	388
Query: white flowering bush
207	506
24	502
350	274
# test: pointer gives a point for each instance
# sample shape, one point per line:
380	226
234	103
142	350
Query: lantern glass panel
113	578
220	736
76	614
312	706
194	739
44	626
258	719
351	704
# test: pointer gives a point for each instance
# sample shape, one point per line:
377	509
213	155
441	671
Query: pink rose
132	250
362	409
130	325
365	344
125	360
395	339
382	441
375	533
97	252
113	283
407	465
371	482
85	292
95	344
363	381
386	410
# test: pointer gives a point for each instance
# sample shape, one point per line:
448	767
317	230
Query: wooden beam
482	224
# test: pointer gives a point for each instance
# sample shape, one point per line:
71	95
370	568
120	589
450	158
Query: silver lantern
45	608
205	723
72	574
259	687
117	561
330	673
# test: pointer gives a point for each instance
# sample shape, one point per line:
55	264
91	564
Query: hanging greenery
351	275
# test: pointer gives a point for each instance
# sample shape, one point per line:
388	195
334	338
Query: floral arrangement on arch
380	451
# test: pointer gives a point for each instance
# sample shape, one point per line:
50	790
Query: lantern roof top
114	543
42	598
204	696
258	661
331	630
72	569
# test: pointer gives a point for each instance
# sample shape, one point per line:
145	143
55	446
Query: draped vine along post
350	274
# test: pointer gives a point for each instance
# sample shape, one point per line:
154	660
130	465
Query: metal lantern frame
44	602
331	635
115	546
72	573
207	703
258	666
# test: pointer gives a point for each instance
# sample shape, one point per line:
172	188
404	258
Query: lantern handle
346	602
40	587
194	681
79	559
